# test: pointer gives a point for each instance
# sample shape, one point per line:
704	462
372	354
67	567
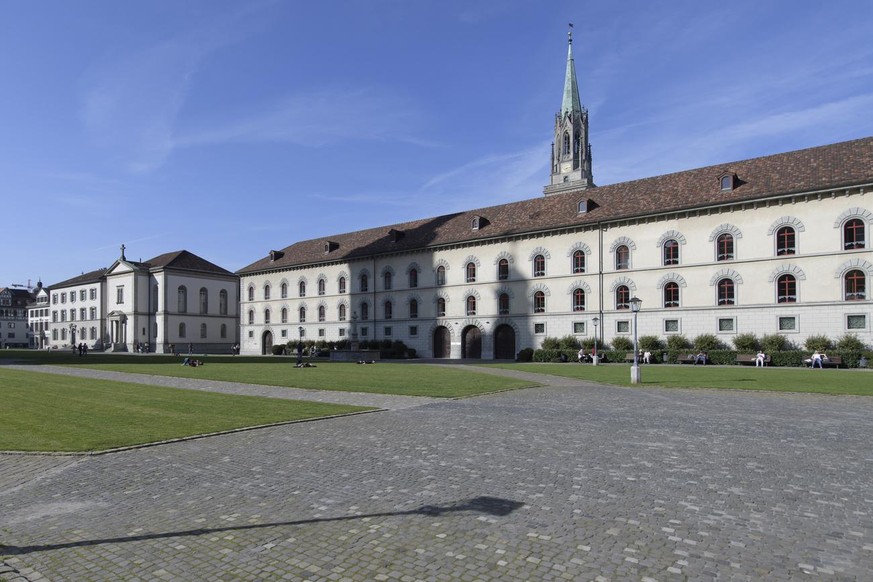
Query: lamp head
635	304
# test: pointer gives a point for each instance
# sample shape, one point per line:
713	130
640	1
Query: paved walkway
570	481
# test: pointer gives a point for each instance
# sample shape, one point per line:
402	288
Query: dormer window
330	246
276	255
728	182
395	235
478	222
582	207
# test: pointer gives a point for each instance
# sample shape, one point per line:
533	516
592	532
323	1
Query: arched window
341	285
671	294
539	302
183	299
266	292
671	252
441	275
471	272
725	290
204	300
365	310
471	305
413	309
283	290
539	266
565	148
181	330
321	284
251	316
284	315
786	289
622	258
503	270
724	247
202	331
441	307
251	293
342	312
785	241
853	234
388	279
321	313
578	262
222	302
266	316
578	300
856	285
365	283
622	297
503	304
389	310
413	278
301	315
223	331
301	289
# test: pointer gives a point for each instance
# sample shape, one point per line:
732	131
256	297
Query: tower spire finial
570	34
122	252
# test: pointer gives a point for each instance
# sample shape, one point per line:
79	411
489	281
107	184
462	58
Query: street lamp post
73	334
635	369
594	357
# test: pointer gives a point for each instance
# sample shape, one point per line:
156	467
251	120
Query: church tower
571	152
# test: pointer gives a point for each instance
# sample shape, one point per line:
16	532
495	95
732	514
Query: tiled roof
185	260
84	278
820	168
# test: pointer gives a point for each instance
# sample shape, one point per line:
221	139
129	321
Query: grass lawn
48	412
830	381
379	378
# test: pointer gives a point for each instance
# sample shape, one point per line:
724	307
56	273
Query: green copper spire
571	102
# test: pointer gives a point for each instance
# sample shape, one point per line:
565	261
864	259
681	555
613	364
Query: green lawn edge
802	380
45	412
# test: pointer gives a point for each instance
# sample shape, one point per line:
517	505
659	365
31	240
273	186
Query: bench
750	359
629	357
829	362
688	358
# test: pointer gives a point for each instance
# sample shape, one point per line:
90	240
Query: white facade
175	301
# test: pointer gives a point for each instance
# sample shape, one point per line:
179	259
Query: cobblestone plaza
568	481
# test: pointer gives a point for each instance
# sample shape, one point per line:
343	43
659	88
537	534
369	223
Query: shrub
706	342
821	343
588	343
850	342
622	344
746	342
774	343
278	350
526	355
651	343
551	343
569	342
792	358
722	357
677	343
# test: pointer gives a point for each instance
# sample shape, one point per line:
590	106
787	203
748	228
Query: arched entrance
442	342
471	343
504	342
267	343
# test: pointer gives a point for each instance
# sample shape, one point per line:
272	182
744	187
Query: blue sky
232	128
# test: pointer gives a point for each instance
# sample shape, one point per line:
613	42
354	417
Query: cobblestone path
563	482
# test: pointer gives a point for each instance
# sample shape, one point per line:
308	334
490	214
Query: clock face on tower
566	167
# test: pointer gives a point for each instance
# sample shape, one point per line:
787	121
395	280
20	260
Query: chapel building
776	244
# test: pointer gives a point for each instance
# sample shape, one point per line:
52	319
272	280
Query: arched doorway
504	342
442	342
471	343
267	343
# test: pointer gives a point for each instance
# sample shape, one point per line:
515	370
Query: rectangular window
72	296
251	334
342	332
63	297
787	323
119	294
93	313
671	326
365	332
726	325
82	294
539	328
320	332
284	333
856	322
93	293
413	330
622	326
387	332
579	327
